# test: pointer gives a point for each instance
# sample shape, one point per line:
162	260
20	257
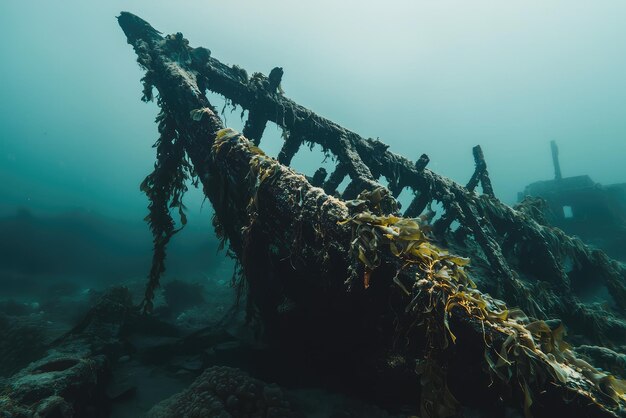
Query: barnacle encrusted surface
225	392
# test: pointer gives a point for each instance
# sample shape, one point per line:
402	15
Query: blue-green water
433	77
423	76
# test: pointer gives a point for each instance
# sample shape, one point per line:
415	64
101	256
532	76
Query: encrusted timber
299	242
269	105
372	157
362	159
367	159
481	216
300	247
550	249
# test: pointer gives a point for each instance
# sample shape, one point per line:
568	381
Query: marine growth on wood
475	306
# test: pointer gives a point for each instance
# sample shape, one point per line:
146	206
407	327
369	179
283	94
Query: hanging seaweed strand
165	188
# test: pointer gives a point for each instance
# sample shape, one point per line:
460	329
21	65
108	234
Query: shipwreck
475	311
580	206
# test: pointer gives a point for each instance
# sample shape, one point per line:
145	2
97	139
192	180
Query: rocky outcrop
70	380
224	392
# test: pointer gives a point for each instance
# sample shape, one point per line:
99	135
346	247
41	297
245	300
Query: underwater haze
425	77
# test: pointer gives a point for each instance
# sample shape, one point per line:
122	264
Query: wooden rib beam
288	207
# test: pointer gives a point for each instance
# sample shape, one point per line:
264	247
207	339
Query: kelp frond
531	348
165	188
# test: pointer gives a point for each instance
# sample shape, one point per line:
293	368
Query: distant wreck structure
582	207
434	317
